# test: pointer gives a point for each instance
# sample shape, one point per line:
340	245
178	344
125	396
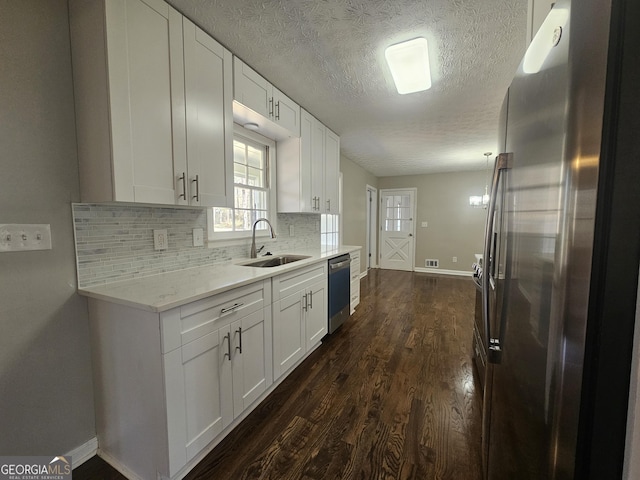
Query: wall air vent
432	263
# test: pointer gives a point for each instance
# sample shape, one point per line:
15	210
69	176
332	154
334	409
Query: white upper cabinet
258	101
331	171
209	121
308	169
135	142
251	89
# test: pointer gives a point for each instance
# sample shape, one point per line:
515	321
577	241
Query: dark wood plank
391	395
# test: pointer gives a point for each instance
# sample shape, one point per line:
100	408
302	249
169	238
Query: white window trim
224	239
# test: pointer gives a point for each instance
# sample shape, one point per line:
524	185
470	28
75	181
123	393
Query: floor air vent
431	263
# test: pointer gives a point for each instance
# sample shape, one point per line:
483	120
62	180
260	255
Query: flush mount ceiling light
409	65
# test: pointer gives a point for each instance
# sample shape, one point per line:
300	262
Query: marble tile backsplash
115	242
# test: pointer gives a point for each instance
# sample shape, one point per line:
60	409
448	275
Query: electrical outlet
160	240
17	237
455	259
198	237
424	224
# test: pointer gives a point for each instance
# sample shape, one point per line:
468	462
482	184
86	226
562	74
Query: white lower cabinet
169	385
217	377
200	382
300	315
316	314
355	280
288	333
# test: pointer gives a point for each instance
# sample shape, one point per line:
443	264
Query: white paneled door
397	235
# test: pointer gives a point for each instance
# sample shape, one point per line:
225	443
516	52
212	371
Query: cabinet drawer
289	283
194	320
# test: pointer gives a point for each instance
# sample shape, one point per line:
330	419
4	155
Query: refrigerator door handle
494	348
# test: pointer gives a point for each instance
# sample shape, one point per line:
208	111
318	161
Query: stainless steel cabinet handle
328	205
231	308
494	347
239	332
197	195
228	337
271	107
310	298
277	110
184	186
305	305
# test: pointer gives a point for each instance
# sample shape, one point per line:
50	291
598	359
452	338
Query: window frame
218	239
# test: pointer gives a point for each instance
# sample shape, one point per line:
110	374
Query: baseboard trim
118	466
440	271
84	452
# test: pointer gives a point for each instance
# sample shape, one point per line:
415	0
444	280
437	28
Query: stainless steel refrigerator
548	245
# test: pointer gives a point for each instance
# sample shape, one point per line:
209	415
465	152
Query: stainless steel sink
275	261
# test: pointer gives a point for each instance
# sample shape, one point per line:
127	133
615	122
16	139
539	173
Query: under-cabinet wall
115	241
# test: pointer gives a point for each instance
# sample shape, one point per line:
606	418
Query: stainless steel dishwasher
339	291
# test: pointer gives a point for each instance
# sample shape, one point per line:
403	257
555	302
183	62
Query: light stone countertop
161	292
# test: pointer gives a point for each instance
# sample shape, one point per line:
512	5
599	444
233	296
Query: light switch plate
20	237
160	239
424	224
198	237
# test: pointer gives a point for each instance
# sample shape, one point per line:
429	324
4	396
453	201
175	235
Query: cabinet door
286	112
288	333
209	121
249	360
317	165
331	172
307	172
143	38
316	319
252	90
208	395
355	280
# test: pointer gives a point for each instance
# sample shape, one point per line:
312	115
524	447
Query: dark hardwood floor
391	395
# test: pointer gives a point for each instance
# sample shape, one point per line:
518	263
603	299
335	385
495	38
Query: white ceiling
328	55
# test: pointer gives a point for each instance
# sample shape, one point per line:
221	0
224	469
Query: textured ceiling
328	55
